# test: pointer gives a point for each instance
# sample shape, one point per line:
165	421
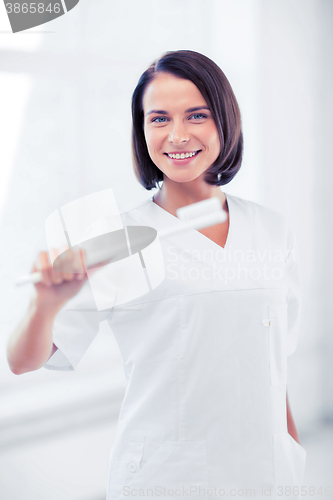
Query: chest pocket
175	464
277	335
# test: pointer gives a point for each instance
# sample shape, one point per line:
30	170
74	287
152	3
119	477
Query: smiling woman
205	350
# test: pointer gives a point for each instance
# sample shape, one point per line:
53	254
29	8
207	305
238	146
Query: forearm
31	344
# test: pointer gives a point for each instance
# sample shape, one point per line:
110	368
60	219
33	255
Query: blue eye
200	114
158	118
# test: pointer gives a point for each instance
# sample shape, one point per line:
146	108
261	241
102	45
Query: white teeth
182	155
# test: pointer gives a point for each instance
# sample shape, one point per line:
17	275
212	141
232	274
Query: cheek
214	142
151	140
152	146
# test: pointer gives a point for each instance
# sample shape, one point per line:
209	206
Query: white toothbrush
198	215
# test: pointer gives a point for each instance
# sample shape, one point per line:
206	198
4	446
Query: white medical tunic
205	359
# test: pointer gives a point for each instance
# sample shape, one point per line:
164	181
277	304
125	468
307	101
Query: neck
174	195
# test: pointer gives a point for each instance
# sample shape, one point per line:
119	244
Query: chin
186	181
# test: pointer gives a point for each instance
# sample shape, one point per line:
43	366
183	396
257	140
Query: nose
179	134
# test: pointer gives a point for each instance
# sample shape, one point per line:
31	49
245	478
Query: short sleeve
294	291
74	329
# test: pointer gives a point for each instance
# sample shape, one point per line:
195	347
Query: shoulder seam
258	205
136	206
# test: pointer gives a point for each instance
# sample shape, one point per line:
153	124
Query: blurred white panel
288	68
118	283
80	214
55	235
154	263
233	43
14	95
288	55
142	30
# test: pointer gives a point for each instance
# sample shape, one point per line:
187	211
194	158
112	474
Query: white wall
289	68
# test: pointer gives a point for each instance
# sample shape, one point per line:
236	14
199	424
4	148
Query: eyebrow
190	110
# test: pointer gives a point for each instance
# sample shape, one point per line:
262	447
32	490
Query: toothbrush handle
200	223
29	278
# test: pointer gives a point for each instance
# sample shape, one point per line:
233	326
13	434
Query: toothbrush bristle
199	209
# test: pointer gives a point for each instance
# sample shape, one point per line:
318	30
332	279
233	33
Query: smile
182	156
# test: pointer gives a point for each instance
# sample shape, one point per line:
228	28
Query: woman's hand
31	343
57	288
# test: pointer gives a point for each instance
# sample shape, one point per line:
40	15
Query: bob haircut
218	94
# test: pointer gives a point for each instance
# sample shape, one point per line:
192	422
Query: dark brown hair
218	94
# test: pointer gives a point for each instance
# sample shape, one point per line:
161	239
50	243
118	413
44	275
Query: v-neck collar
167	219
239	239
191	240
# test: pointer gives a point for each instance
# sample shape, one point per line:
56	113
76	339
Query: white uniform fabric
205	358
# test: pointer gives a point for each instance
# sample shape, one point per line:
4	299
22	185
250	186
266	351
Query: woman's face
172	126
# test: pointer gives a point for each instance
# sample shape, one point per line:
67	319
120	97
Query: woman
204	352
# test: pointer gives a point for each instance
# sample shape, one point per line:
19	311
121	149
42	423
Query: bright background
65	90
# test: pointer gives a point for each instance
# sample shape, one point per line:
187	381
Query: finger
43	265
80	276
66	259
57	277
69	276
78	257
75	264
82	257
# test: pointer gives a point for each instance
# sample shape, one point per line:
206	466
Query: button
132	466
266	322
